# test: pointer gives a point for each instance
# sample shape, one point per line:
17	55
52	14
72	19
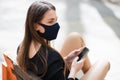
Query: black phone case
83	53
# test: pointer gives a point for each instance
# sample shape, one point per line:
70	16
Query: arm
59	74
75	67
56	71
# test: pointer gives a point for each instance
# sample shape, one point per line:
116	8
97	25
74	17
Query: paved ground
97	21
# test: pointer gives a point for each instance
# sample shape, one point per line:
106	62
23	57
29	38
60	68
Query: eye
50	21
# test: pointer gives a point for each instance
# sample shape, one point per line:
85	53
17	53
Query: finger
78	51
81	48
82	60
76	58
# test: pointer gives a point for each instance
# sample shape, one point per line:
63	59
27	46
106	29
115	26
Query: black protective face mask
50	31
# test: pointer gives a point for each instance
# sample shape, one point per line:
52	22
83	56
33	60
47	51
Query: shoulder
19	47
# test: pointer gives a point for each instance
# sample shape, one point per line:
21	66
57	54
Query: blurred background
98	21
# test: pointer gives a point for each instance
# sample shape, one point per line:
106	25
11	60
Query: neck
36	45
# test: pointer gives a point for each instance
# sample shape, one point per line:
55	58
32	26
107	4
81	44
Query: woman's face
49	18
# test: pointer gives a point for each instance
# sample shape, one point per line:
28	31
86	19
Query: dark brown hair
35	14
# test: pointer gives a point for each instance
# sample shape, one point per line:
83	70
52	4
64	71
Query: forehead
50	14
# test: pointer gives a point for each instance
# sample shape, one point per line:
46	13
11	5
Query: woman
37	56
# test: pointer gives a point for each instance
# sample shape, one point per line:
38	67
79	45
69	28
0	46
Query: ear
39	28
36	27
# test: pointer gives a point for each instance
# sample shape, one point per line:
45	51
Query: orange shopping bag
7	71
13	72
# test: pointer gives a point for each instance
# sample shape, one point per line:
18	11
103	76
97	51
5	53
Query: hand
76	67
71	56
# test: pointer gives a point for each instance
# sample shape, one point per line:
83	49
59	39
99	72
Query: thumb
82	60
76	58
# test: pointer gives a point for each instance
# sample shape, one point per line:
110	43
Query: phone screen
83	53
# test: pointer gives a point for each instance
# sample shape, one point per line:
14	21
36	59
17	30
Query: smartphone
83	53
